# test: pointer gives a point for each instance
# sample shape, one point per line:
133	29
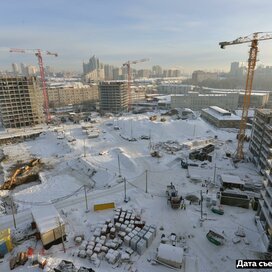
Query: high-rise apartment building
108	70
92	65
261	139
15	69
59	97
261	150
237	69
113	96
199	76
157	70
21	102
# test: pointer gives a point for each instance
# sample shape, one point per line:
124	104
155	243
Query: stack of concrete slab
126	227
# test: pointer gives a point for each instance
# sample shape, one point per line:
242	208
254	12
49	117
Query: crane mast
128	65
253	39
38	54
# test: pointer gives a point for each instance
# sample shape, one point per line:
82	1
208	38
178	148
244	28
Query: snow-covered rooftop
232	179
219	116
46	217
170	253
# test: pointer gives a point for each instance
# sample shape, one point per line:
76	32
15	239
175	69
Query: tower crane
38	53
253	39
128	65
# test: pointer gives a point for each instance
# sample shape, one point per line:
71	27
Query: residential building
59	97
21	102
116	72
264	213
197	101
108	69
257	99
157	71
91	65
237	69
261	139
174	88
113	96
261	150
199	76
144	73
15	69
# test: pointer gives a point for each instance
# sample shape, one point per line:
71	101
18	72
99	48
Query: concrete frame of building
261	149
59	97
21	102
113	96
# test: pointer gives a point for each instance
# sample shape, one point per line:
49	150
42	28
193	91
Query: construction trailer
50	226
231	182
234	199
171	256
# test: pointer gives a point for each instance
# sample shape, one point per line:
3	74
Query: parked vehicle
144	137
217	210
215	238
173	197
184	164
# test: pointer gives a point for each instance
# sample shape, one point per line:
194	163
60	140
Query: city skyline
173	35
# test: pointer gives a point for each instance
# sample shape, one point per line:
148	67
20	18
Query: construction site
135	192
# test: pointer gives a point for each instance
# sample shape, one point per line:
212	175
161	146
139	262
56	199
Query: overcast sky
172	33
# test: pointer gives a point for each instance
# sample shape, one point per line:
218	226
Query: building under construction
113	96
21	102
261	139
261	150
59	97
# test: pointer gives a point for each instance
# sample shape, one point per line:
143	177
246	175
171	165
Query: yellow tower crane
128	65
253	39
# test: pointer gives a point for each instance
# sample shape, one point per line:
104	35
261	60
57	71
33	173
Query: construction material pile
126	229
169	146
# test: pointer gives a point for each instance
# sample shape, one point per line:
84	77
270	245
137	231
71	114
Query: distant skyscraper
31	70
116	73
237	69
156	70
15	69
108	70
23	69
144	73
92	65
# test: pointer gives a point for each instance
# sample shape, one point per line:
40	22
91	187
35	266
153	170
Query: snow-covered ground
97	163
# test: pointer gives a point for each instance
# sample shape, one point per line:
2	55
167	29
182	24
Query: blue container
3	248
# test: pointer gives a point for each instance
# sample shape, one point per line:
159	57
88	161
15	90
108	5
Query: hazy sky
172	33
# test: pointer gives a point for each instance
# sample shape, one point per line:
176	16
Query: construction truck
173	197
155	153
153	118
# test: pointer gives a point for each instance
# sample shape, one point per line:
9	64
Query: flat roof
231	179
170	253
218	116
220	110
46	218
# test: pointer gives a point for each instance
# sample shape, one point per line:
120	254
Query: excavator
20	176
